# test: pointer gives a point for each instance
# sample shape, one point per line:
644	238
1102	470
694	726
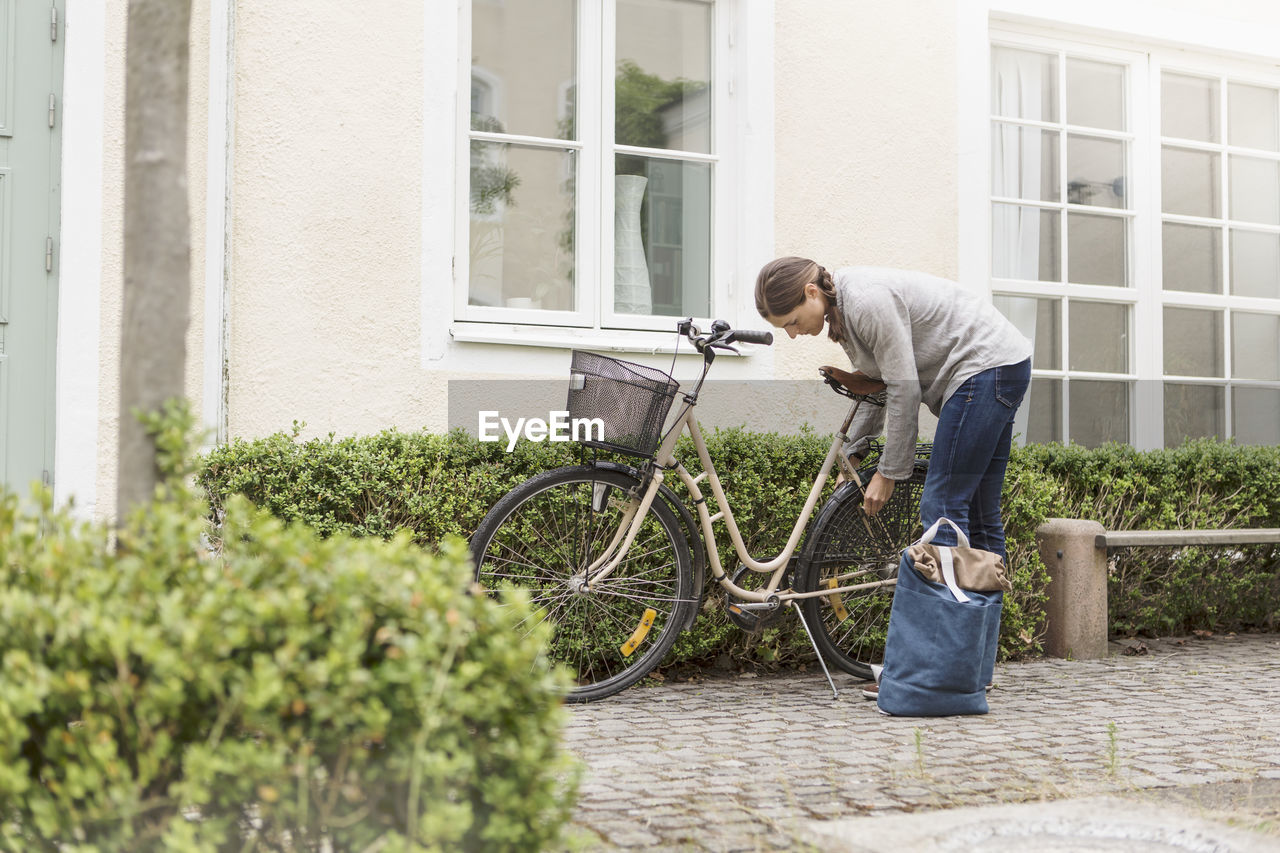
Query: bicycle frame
664	460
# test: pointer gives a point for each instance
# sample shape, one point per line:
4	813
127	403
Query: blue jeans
970	454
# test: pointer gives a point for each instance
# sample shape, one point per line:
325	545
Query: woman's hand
877	495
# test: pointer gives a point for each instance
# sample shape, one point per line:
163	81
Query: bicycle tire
549	529
850	628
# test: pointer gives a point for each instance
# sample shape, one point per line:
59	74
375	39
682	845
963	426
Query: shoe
872	690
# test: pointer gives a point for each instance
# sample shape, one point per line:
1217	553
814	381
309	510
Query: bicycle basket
631	401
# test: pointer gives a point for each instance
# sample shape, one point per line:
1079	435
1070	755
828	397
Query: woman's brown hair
780	288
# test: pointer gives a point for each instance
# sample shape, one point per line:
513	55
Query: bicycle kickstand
825	671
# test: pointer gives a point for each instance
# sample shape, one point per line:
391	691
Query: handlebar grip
748	336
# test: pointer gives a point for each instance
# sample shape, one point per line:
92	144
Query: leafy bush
1203	484
435	484
288	692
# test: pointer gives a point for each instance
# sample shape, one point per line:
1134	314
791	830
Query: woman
930	341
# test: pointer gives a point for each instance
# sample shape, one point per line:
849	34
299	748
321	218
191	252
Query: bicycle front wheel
544	535
850	548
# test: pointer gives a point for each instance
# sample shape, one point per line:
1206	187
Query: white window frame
1138	273
1146	58
736	243
1224	72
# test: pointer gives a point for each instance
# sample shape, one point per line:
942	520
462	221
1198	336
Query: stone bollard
1077	607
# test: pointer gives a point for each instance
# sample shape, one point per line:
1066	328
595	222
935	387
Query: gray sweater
923	336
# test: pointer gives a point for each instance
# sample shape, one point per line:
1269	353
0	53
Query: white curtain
1016	166
1016	173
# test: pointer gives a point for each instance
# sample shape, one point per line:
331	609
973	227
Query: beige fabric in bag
978	570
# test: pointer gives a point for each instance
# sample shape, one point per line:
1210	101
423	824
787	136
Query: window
591	183
1220	247
1062	228
1097	154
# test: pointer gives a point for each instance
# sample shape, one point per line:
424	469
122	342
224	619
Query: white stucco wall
324	278
865	135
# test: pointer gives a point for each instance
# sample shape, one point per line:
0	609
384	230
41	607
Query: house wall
865	143
325	243
341	135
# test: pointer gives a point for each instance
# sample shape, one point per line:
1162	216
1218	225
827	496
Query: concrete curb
1091	824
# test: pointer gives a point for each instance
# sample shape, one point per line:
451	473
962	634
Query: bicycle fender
696	546
825	513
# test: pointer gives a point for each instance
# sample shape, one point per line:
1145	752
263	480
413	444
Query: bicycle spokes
606	628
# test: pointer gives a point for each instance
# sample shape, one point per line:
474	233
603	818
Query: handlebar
721	336
747	336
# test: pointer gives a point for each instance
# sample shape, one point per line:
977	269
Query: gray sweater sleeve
866	425
881	320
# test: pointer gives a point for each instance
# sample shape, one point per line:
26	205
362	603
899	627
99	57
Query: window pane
1024	84
1025	243
1099	337
1189	107
1044	417
662	237
1253	120
1255	190
1192	342
662	95
1255	413
1192	258
1098	249
522	67
1099	412
1024	163
1255	346
1193	411
1038	319
1189	182
1095	94
522	221
1095	171
1255	264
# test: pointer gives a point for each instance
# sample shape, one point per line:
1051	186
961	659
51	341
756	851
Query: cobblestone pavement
738	763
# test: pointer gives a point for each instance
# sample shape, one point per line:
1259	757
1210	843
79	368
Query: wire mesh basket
630	401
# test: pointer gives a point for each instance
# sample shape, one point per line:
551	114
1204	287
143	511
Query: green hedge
282	692
1202	484
435	485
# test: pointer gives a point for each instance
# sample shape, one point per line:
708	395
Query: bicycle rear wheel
849	548
542	537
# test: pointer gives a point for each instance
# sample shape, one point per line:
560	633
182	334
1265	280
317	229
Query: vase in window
632	292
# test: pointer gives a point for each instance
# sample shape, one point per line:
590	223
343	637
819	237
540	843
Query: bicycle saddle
855	383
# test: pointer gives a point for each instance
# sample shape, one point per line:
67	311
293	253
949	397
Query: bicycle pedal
753	616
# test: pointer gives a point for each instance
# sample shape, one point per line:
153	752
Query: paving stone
682	765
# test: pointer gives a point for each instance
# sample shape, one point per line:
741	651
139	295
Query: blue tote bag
941	648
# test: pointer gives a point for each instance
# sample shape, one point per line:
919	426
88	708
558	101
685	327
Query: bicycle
613	557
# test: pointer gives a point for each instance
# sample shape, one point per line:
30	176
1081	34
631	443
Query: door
30	139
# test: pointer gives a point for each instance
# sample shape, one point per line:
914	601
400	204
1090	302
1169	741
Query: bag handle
946	558
961	539
949	573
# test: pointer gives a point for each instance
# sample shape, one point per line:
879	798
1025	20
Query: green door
30	138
